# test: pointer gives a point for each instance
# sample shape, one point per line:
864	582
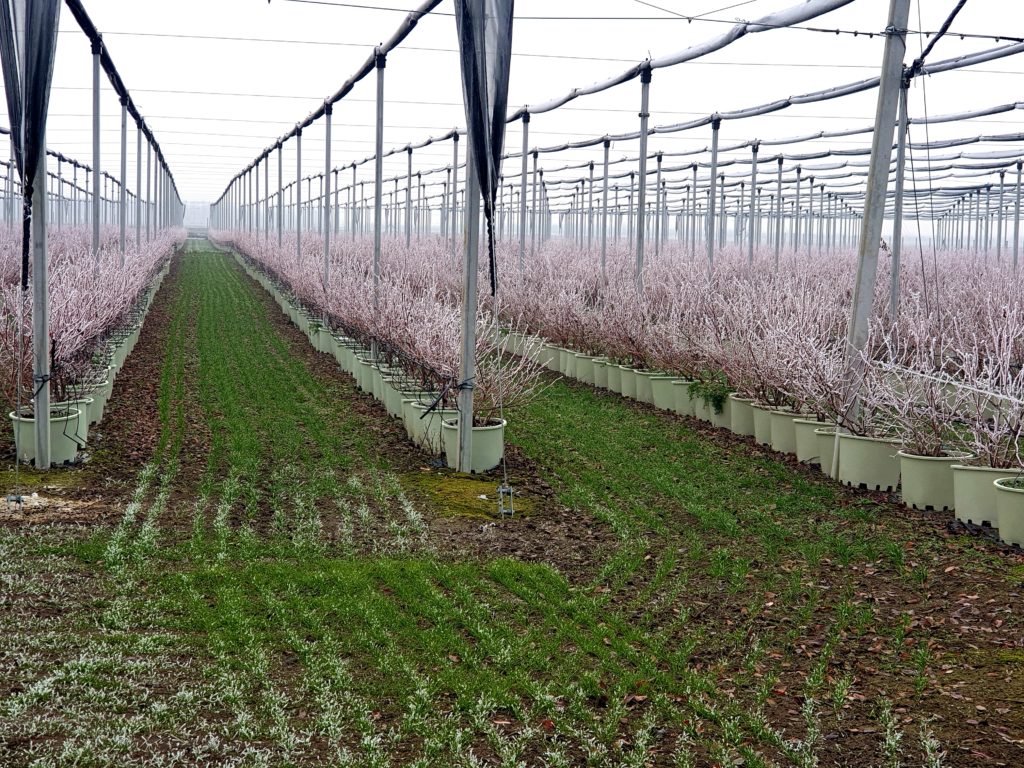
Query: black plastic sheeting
28	45
485	50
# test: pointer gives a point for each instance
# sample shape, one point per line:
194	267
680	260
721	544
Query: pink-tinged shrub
774	333
88	300
418	320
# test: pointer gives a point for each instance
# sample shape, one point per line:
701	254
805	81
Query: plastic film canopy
485	50
28	45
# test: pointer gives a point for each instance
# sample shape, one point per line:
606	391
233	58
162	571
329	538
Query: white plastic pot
392	397
869	462
663	393
682	403
807	448
413	427
762	423
428	425
644	392
568	363
701	409
783	430
488	445
63	434
82	422
600	372
628	381
100	395
584	366
742	421
826	448
550	357
613	373
974	493
927	481
1010	510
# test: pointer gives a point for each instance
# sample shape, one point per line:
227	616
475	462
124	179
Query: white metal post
326	202
753	202
604	211
467	366
897	223
40	316
378	185
715	125
875	195
123	219
645	95
1016	219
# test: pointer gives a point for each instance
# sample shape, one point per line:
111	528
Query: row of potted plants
421	398
939	387
97	308
982	495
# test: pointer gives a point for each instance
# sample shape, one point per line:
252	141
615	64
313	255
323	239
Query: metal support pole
716	123
796	211
753	201
778	216
138	188
1016	219
657	207
522	193
897	223
453	227
875	195
988	218
298	193
693	214
590	210
810	213
352	213
378	186
123	207
467	366
999	220
328	114
408	198
641	205
40	316
280	194
722	215
737	230
604	212
533	208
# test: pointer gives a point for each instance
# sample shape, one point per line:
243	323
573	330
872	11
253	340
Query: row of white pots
70	419
979	495
435	430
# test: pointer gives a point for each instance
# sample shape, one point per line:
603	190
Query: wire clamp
505	494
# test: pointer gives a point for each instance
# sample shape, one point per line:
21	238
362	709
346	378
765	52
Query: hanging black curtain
28	45
485	46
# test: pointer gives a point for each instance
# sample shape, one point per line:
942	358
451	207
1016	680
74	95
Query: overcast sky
214	99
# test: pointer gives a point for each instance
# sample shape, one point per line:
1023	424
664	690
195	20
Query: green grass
291	565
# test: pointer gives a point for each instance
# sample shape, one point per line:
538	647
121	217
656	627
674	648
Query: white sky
214	104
